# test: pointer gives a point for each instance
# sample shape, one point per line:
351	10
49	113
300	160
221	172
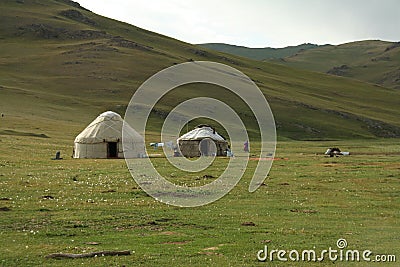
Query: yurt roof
201	132
106	127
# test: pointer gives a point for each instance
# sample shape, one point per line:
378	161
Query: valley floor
309	201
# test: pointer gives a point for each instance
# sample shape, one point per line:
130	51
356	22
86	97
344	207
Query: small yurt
202	141
102	139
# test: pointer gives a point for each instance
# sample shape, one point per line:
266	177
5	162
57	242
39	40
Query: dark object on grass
304	211
47	197
177	153
333	152
5	209
248	224
58	156
109	191
92	243
88	255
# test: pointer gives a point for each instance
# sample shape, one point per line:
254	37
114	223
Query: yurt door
207	147
204	147
112	151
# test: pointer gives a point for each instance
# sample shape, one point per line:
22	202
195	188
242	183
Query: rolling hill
265	53
371	61
61	65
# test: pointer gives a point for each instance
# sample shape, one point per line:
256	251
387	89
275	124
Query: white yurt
102	138
203	140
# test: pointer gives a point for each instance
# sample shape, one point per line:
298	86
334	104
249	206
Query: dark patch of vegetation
47	31
77	16
18	133
339	71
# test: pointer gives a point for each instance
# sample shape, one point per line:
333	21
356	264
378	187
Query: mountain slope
258	53
375	62
372	61
62	65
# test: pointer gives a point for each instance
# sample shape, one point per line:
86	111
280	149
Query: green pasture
308	201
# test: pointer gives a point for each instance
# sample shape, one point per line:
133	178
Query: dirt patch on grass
109	191
261	159
210	253
303	211
370	163
211	248
177	242
248	224
92	243
169	233
333	164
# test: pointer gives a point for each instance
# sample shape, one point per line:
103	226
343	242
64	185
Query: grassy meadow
62	65
308	201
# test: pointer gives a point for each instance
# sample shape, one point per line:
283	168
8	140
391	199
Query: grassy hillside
258	53
62	65
371	61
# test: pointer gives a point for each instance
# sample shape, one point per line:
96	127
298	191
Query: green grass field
308	201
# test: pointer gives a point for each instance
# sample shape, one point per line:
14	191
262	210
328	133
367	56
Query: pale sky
259	23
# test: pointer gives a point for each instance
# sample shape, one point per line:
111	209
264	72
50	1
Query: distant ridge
259	53
372	61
